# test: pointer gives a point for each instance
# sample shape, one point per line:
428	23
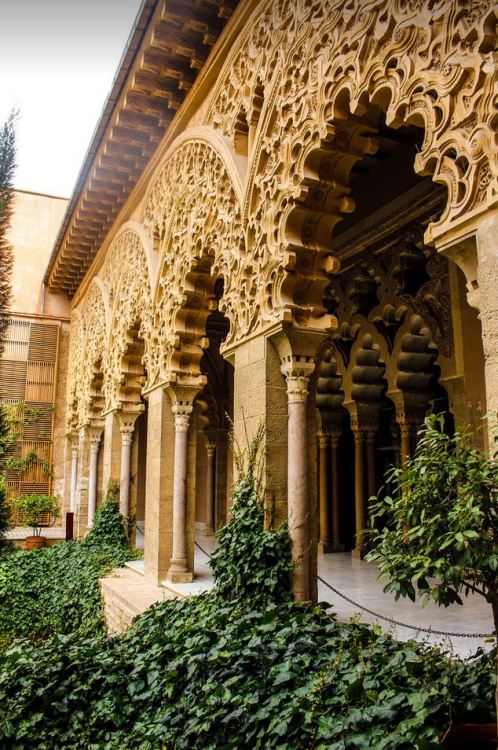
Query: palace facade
287	215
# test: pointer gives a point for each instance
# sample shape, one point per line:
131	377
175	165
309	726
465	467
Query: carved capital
210	449
94	437
182	411
297	371
323	439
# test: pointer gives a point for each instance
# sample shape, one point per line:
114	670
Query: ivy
240	668
55	590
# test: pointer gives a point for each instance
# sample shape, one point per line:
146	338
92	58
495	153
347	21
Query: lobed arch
192	215
95	320
356	61
127	274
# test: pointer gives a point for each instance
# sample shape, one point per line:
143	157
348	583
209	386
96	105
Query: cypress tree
7	169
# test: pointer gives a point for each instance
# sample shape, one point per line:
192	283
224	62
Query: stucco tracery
300	97
193	217
301	70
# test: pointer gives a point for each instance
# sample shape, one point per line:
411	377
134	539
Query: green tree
7	169
437	522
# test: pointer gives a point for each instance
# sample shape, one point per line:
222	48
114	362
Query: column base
179	573
209	531
337	547
325	547
358	553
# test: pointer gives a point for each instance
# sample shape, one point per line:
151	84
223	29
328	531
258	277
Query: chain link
418	629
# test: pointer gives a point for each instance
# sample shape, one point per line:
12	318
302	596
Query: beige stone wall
35	224
61	452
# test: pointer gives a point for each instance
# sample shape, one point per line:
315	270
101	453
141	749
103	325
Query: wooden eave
168	45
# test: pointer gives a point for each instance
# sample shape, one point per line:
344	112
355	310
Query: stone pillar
74	442
371	476
210	488
94	435
323	484
111	449
359	484
127	427
297	372
178	569
159	486
337	545
406	440
487	274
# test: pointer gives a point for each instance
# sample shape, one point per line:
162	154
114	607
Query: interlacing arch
89	350
337	66
127	277
193	217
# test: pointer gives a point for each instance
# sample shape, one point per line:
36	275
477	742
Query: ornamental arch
279	258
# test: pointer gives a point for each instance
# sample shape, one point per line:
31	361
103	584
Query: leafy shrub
232	669
439	514
108	526
251	563
5	544
198	673
38	509
56	590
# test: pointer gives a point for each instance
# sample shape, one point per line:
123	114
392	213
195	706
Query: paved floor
21	532
358	580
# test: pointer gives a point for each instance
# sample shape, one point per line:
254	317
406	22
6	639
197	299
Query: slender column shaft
359	469
210	488
405	443
336	521
124	478
178	570
323	449
92	477
74	476
297	375
372	483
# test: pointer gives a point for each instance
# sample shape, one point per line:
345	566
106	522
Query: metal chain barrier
418	629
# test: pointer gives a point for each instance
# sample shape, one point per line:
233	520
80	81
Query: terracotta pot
472	736
35	542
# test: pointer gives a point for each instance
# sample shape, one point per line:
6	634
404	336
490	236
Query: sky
58	59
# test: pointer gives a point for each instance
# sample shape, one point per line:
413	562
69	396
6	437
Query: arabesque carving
428	64
193	217
126	277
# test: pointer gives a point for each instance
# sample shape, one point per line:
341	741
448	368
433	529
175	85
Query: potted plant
40	511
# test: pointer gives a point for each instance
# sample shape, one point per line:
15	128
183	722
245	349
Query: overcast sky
57	63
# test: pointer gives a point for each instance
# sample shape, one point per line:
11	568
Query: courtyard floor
357	580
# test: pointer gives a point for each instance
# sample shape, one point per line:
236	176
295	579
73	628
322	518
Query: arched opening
363	202
214	416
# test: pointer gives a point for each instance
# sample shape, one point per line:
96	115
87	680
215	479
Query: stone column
158	486
111	448
487	274
359	495
297	372
406	440
127	427
323	484
337	545
371	476
74	441
210	488
94	435
178	569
